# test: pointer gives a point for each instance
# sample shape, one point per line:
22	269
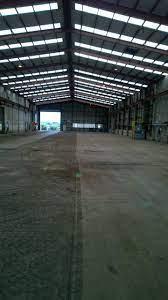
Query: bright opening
50	120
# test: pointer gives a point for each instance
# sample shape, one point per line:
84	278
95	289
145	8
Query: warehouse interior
83	149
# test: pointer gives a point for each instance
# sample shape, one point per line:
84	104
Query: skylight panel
126	38
163	28
120	17
41	7
12	46
98	31
113	35
148	60
44	55
162	47
8	12
25	9
138	41
130	66
19	30
105	13
116	53
140	58
151	25
89	9
5	32
151	44
57	25
53	5
88	29
127	55
77	26
33	28
148	70
136	21
27	44
78	7
4	47
157	72
47	26
38	43
13	59
139	68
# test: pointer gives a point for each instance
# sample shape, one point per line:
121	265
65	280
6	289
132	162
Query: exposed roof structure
92	51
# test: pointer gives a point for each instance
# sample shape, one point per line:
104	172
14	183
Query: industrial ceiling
90	51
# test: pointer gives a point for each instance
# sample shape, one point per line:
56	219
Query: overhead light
19	30
151	25
135	21
8	12
25	9
5	32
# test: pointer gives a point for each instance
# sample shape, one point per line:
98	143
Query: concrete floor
121	188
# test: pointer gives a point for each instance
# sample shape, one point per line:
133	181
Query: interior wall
74	112
160	112
16	119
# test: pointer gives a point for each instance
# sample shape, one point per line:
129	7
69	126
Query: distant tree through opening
50	120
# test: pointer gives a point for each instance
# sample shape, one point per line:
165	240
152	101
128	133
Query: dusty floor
108	192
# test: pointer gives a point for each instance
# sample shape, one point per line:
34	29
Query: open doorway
50	120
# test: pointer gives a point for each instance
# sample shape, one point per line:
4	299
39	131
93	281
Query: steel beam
52	101
132	12
67	10
91	103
